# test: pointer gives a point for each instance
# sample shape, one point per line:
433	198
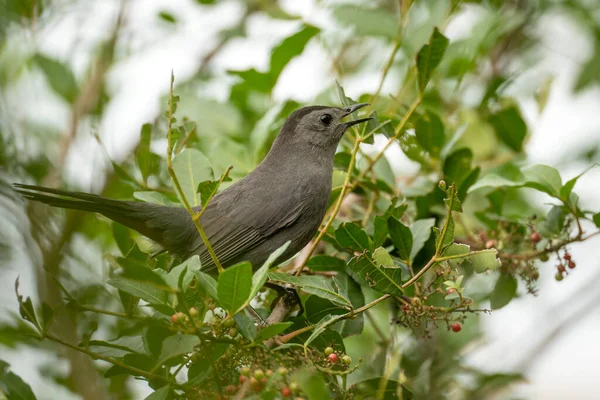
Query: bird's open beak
353	108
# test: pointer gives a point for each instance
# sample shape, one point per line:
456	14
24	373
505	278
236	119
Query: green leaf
177	345
12	386
143	156
119	347
504	291
367	21
167	17
191	168
401	237
321	326
509	127
351	236
26	307
554	222
353	326
543	178
123	238
260	276
412	149
566	190
383	258
313	284
380	230
596	219
429	57
289	48
59	76
246	326
429	131
312	384
234	286
421	231
484	260
456	249
207	189
323	262
142	282
590	72
383	279
457	170
540	177
208	283
164	393
272	330
187	268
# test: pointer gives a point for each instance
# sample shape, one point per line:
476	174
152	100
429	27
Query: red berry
572	264
286	392
535	237
561	268
243	378
456	327
231	389
450	290
567	256
333	357
405	308
174	318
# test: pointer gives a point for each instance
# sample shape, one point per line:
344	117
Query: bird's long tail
164	225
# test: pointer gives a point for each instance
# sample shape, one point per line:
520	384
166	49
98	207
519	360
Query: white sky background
567	369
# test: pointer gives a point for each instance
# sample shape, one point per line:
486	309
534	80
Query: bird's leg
290	295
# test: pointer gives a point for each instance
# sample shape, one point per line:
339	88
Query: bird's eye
326	119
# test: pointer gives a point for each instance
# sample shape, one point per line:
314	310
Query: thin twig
195	218
337	206
111	360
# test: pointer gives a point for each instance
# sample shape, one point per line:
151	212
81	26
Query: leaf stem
348	315
195	217
397	133
110	360
337	206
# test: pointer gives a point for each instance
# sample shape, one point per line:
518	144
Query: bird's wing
233	229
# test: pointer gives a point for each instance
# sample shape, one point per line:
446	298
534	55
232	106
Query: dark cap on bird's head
319	125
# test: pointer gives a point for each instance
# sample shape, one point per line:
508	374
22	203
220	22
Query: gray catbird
283	199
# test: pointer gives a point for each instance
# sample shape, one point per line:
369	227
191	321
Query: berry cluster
259	379
561	268
333	357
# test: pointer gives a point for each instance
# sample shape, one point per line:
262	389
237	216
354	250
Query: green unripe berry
328	350
559	277
282	371
245	371
229	322
347	360
233	332
194	312
259	374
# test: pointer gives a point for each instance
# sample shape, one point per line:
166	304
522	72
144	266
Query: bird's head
320	126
